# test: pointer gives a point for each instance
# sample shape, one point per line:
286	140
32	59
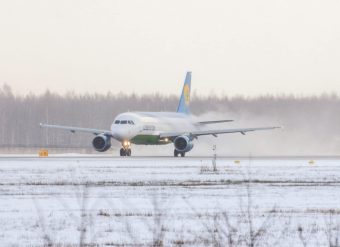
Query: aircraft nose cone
120	133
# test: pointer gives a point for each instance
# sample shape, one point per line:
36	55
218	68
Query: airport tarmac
113	201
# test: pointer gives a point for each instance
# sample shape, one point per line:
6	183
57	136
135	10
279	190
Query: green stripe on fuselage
148	140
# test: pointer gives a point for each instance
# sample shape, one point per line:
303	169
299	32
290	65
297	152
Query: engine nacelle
101	143
183	144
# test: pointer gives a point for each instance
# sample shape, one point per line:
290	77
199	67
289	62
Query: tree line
21	114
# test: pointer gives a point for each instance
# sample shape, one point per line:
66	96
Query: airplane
157	128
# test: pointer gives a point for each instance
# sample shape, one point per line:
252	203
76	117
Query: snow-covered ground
145	201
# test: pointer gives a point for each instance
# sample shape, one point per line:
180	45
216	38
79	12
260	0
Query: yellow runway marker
43	153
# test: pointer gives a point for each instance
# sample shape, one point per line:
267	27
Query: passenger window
123	122
117	122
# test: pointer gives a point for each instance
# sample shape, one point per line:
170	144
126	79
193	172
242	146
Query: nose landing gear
125	150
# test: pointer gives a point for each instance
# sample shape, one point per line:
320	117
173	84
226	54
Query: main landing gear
125	150
176	153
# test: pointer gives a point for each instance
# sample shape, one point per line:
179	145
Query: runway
160	157
132	200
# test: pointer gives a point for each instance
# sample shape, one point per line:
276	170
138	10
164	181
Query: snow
139	200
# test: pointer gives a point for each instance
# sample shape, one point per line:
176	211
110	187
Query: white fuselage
145	127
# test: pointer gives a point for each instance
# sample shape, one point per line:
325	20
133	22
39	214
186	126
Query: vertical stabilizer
184	101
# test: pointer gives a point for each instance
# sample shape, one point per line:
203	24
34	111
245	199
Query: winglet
184	101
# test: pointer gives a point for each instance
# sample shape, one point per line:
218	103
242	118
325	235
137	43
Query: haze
233	47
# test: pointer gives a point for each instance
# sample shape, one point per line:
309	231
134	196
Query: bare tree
21	114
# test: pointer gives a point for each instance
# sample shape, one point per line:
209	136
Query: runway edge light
311	162
43	153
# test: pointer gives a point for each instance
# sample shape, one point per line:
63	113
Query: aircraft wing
77	129
197	133
215	121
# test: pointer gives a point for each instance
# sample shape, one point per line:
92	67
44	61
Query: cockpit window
131	122
117	122
123	122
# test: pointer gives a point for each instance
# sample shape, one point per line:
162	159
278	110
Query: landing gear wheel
122	152
125	152
182	154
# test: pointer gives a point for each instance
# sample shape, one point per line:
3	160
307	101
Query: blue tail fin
184	102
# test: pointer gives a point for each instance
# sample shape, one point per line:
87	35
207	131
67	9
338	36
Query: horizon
194	94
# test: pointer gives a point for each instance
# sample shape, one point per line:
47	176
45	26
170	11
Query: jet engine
183	144
101	143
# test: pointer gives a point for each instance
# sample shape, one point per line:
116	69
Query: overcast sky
248	47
